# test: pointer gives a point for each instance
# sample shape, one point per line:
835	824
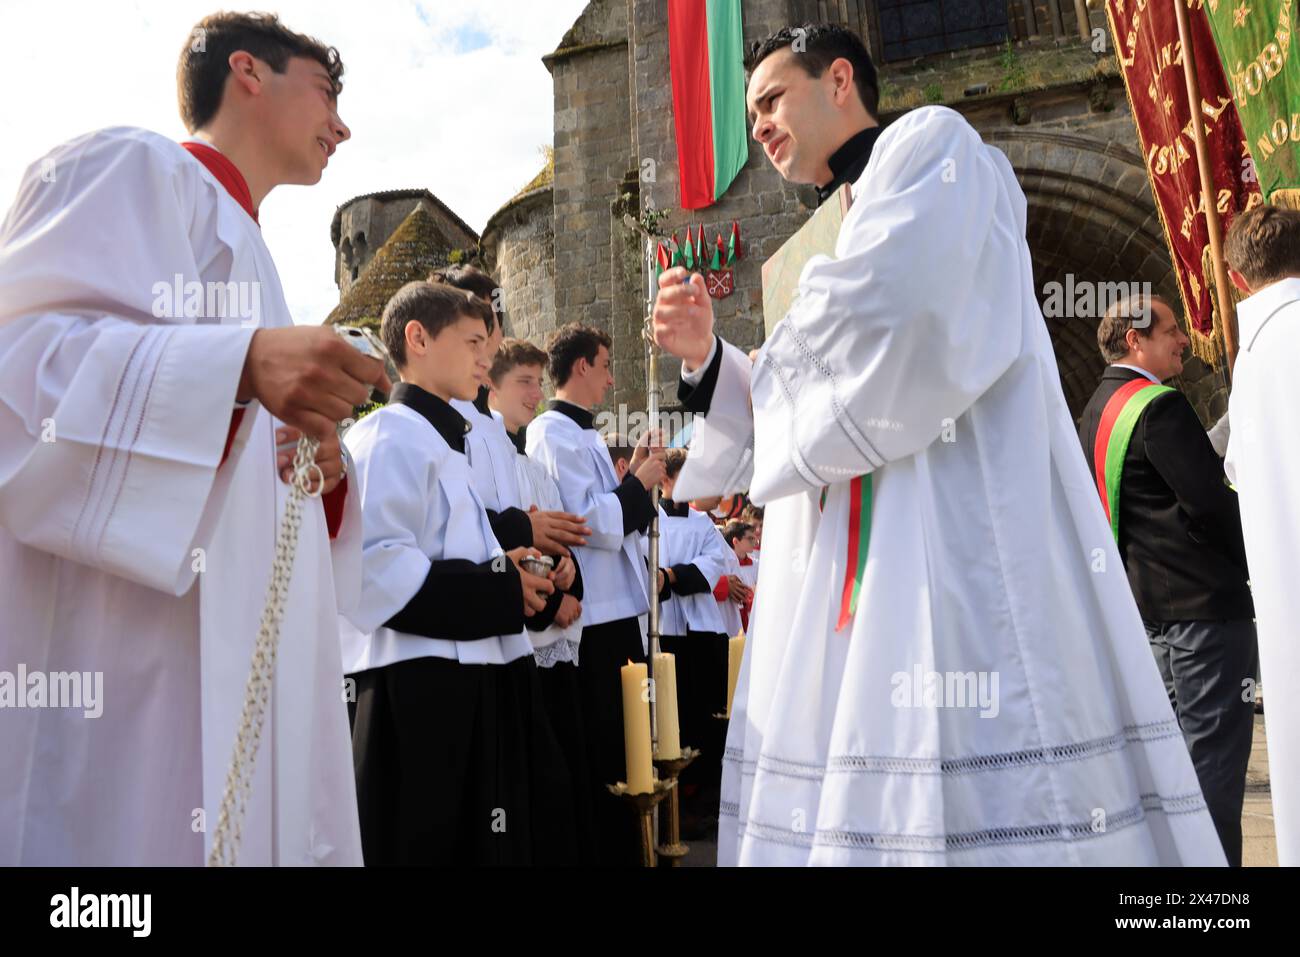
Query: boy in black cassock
445	743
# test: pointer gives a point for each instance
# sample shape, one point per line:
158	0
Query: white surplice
555	643
491	457
614	581
692	539
919	356
421	505
126	550
1263	463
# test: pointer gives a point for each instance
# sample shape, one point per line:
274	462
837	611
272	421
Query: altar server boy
564	441
449	763
492	454
692	557
516	377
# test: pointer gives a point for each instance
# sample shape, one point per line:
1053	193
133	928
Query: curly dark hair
817	46
674	459
571	342
203	66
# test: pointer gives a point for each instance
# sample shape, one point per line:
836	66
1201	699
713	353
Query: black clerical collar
520	439
675	509
584	418
481	403
451	425
848	162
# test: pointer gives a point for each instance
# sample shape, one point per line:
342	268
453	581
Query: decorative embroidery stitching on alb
797	458
842	417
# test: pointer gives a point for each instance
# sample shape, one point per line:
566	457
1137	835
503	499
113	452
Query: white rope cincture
308	482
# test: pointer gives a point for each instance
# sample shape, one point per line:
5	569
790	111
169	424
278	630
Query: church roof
415	249
387	194
546	177
539	184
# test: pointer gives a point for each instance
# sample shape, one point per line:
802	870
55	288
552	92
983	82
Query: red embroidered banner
1151	59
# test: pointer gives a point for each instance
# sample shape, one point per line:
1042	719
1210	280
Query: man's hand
556	532
652	471
564	574
568	612
650	439
329	457
683	317
738	591
535	587
308	377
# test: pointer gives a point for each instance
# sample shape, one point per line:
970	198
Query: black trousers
562	697
457	765
604	650
1205	666
701	665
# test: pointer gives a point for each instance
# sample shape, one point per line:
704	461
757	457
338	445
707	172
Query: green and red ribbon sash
1119	417
859	539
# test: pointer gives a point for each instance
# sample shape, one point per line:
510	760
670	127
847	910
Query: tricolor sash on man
1257	49
1151	60
1119	418
706	63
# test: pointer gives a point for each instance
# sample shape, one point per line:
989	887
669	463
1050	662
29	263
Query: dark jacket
1179	523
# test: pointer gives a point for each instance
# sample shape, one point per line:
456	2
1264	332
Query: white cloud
429	105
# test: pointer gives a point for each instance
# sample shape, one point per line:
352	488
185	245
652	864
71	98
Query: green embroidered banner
1257	48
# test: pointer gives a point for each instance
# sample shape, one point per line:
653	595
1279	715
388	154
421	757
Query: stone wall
1091	216
768	209
592	155
1073	146
519	251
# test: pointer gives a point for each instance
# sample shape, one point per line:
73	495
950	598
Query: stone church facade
1035	77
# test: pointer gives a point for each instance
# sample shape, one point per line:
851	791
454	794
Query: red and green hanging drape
706	63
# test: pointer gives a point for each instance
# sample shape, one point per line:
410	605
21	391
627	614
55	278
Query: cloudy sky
418	76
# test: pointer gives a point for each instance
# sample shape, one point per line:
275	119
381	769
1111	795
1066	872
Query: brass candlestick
670	770
645	804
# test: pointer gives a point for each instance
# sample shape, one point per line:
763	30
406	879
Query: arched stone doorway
1091	217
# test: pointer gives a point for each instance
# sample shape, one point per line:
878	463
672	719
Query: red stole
226	172
229	176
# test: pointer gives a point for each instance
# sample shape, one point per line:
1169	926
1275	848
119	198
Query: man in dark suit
1179	534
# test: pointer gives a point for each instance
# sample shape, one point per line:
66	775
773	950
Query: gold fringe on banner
1210	349
1288	198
